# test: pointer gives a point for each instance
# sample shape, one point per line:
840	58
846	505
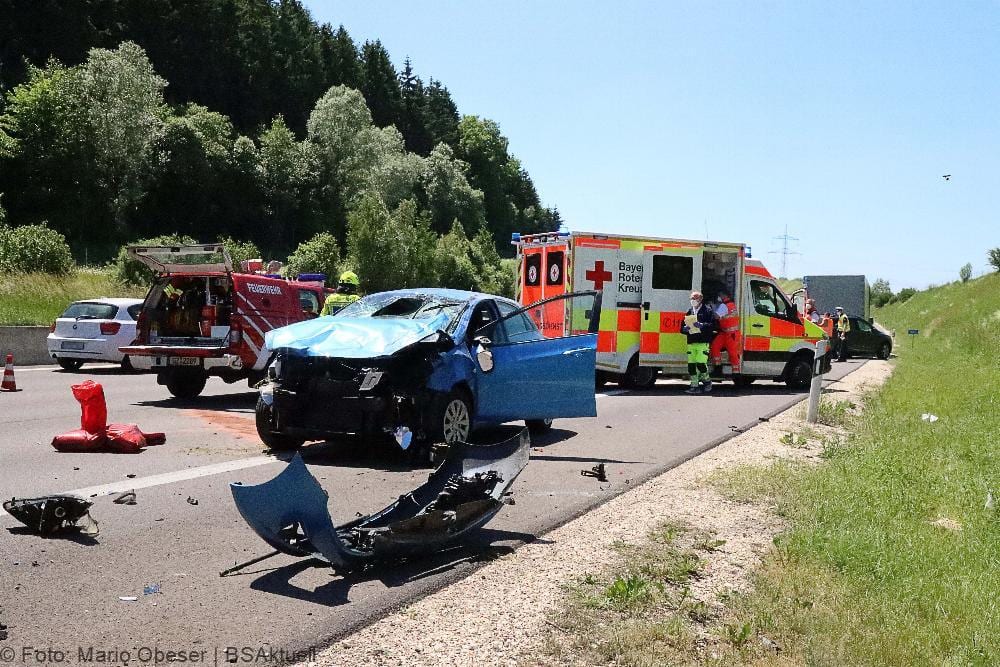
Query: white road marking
169	477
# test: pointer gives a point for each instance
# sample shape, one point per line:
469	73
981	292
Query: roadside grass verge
893	557
38	298
640	613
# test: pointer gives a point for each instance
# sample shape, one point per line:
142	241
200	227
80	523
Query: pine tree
340	58
412	121
380	85
440	114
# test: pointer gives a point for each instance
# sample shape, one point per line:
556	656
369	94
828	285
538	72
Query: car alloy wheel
456	422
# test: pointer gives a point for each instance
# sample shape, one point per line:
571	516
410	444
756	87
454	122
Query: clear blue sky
664	118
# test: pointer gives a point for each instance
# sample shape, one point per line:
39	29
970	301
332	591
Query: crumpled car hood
352	337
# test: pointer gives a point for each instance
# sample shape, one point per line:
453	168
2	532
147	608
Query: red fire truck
202	318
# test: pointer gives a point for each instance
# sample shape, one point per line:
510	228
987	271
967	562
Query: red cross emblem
599	275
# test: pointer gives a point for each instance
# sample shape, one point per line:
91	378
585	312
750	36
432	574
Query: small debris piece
769	644
128	598
763	419
607	426
597	471
150	589
75	468
125	498
947	524
928	417
990	503
131	475
192	501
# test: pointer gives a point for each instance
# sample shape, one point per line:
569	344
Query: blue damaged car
430	364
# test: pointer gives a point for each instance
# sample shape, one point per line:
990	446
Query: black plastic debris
470	486
192	501
51	514
597	471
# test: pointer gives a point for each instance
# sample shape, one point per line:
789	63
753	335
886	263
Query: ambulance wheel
450	417
743	381
883	352
69	364
639	377
538	426
186	385
264	419
798	374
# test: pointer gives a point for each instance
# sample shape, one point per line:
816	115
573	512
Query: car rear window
86	310
133	311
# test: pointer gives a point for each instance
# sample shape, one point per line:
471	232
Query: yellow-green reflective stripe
673	343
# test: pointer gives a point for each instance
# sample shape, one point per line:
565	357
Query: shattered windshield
409	306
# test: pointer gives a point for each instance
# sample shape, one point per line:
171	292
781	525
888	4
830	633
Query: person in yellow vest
347	293
843	328
728	338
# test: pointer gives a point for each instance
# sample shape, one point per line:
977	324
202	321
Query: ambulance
646	284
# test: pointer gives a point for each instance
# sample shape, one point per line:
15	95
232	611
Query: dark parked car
866	340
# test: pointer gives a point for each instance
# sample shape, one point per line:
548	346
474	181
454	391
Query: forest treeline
123	119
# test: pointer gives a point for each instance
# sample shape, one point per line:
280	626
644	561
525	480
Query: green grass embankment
893	557
39	298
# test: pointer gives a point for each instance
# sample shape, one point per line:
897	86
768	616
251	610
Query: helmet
349	278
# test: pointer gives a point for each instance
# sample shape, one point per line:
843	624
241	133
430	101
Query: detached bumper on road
468	489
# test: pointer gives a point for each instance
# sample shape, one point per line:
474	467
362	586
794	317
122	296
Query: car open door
170	260
524	375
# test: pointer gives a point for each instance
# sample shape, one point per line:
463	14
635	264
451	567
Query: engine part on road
125	498
468	489
597	471
51	514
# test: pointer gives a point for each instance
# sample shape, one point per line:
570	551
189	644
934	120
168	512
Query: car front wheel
264	419
70	364
451	418
883	352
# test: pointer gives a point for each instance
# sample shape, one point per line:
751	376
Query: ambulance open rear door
543	276
670	271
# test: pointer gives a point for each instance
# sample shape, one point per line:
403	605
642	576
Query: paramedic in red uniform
728	338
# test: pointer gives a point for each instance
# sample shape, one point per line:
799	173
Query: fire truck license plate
183	361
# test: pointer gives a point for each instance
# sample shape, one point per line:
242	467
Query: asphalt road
63	593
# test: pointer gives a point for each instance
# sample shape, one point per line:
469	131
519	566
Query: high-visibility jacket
843	324
730	322
336	301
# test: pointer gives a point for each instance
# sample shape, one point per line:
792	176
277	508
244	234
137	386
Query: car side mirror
484	356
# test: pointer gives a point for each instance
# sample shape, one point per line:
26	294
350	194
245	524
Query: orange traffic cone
8	375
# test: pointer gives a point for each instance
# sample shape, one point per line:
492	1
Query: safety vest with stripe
336	301
730	322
